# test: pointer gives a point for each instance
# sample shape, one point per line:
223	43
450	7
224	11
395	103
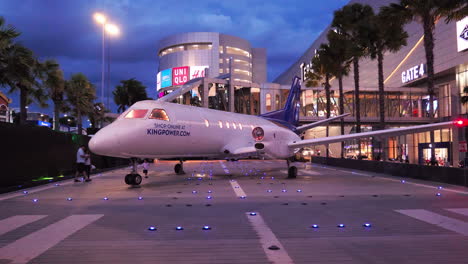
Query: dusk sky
65	30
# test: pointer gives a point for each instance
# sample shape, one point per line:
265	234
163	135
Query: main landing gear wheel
292	172
133	179
179	168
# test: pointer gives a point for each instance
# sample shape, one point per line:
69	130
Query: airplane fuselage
188	131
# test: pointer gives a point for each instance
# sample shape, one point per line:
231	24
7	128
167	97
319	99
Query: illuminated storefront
406	96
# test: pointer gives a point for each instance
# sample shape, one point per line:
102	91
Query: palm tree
7	35
54	82
80	95
129	92
120	98
21	73
388	35
353	22
98	116
321	73
341	66
464	98
427	12
455	13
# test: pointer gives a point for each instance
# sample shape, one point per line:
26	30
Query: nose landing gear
133	178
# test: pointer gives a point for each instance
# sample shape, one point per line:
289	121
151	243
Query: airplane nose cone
104	144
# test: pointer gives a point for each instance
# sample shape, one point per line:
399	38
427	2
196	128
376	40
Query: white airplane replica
161	129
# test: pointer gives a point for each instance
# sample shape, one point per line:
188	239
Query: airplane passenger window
159	114
227	124
240	126
207	124
234	125
220	124
136	113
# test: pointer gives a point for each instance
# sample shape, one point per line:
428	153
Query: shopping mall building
405	74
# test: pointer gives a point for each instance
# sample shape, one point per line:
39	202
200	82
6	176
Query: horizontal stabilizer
379	133
319	123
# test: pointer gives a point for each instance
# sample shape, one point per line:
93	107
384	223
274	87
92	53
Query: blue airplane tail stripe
289	115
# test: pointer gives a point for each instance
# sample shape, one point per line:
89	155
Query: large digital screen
178	75
166	78
158	81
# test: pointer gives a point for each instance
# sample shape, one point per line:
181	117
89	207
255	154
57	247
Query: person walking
145	167
80	162
88	165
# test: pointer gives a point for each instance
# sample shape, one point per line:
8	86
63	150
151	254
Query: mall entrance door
442	153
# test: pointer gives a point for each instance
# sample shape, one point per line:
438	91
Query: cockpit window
159	114
136	113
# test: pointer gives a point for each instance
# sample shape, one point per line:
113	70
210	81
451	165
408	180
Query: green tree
353	22
18	70
342	55
427	12
7	36
457	12
322	71
54	82
98	116
21	73
388	36
464	98
80	96
129	92
68	121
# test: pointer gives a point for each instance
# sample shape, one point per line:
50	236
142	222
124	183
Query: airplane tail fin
289	115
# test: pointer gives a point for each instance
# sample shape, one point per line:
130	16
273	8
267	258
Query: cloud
65	30
215	21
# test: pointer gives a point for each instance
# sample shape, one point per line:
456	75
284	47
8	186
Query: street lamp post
111	29
101	19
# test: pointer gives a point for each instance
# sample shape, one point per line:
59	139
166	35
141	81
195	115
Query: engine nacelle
273	144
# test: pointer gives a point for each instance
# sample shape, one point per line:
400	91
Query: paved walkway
237	212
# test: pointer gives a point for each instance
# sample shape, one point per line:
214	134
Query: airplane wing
244	151
187	87
180	91
319	123
379	133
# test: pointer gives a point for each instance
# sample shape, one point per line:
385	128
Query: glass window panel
159	114
237	51
136	113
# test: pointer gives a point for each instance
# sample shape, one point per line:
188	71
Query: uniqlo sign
180	75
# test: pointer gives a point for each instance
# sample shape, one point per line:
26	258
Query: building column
206	90
231	97
420	112
456	138
412	149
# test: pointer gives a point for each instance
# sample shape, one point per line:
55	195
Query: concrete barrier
457	176
31	153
